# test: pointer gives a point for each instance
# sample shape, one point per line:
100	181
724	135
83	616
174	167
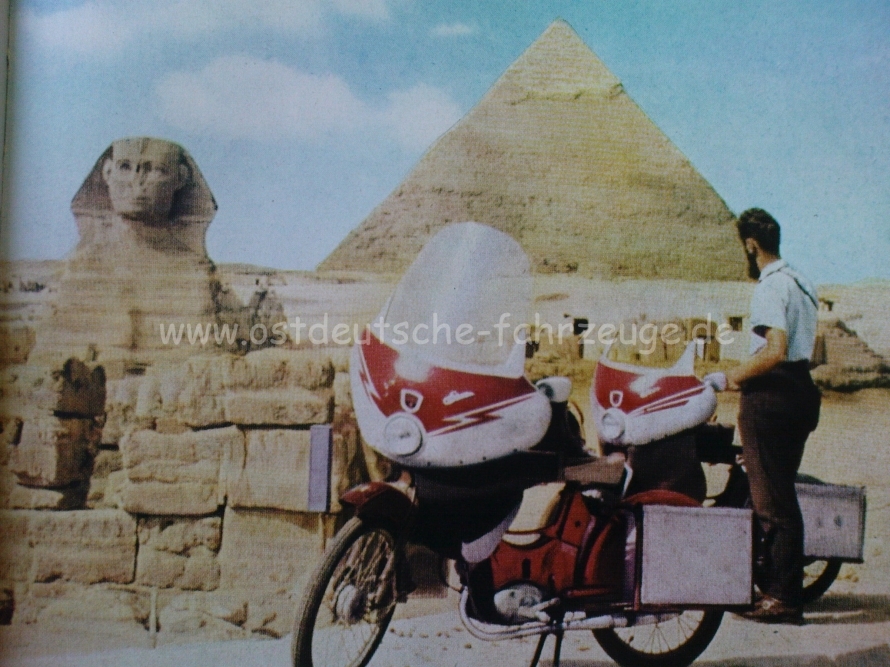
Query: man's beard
753	269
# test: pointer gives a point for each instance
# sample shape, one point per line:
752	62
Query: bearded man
779	408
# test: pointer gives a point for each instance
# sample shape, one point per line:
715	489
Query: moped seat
539	508
603	470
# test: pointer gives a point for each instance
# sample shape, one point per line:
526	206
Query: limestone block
276	368
175	473
15	550
96	495
17	389
187	498
170	425
271	386
159	391
67	498
121	398
15	343
180	536
54	451
33	598
99	604
198	571
200	400
188	392
279	407
111	490
159	568
75	389
148	397
108	462
86	546
274	473
268	549
201	570
179	553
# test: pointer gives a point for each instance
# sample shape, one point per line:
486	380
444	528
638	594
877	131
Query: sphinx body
141	262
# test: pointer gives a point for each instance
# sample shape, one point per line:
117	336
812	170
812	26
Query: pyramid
559	156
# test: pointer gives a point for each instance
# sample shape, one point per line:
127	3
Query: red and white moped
546	538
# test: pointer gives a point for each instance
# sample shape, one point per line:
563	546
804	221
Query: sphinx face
143	175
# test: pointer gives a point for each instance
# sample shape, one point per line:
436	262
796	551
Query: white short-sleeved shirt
784	299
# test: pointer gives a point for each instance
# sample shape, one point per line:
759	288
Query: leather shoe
770	610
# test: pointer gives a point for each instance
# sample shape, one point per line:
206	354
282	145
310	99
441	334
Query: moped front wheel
675	642
350	599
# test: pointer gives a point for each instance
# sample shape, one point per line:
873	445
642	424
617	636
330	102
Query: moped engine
517	603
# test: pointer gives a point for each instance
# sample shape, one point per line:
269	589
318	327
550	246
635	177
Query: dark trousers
776	414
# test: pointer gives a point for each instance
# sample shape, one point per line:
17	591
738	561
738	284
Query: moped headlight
402	435
612	425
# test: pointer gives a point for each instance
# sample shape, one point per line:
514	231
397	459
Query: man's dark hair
757	224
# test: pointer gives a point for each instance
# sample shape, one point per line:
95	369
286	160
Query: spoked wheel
349	601
818	576
675	642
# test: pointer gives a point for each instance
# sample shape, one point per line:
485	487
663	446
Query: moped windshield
463	303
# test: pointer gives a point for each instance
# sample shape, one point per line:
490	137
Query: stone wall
190	480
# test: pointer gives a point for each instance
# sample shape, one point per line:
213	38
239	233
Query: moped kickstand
557	649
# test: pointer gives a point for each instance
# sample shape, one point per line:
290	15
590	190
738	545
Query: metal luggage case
695	556
833	519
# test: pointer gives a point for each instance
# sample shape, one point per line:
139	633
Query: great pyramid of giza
559	156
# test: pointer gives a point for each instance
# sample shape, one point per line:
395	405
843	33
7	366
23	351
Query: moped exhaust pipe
493	632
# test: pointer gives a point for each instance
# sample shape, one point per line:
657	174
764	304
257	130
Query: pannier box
695	555
833	519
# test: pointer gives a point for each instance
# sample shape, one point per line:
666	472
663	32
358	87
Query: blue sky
303	115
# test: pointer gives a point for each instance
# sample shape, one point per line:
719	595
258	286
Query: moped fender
660	497
379	502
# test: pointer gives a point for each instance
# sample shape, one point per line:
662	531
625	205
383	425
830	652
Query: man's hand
717	381
770	355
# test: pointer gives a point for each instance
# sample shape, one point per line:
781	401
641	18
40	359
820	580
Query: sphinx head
143	175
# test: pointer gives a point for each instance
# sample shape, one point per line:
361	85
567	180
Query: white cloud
416	117
453	30
244	97
105	26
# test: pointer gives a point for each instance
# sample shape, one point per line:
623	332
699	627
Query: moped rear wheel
676	642
350	599
818	576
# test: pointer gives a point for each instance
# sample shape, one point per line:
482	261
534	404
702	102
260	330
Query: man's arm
768	357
